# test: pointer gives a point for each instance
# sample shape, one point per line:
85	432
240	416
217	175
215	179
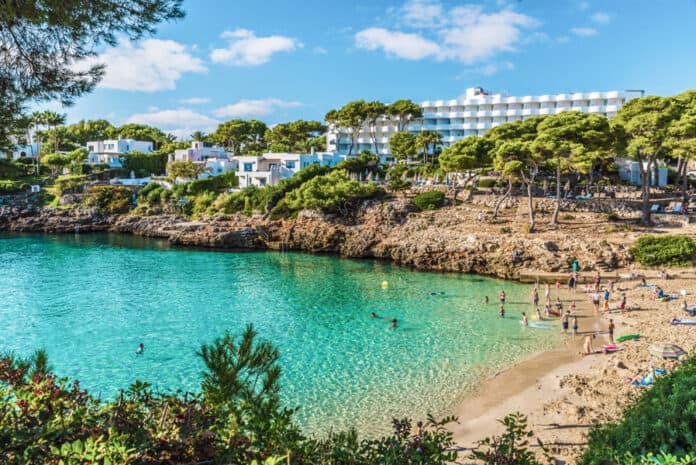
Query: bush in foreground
664	250
430	200
663	419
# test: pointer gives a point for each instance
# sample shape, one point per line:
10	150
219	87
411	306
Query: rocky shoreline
450	239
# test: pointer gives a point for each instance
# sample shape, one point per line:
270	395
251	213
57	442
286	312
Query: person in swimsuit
547	293
501	312
564	321
535	297
623	302
595	301
547	310
525	321
485	299
597	281
575	326
502	297
140	349
374	315
587	348
611	330
559	305
393	323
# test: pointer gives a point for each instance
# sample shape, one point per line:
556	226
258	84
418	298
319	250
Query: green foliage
110	199
402	145
332	193
664	250
663	419
430	200
10	170
183	170
70	184
487	183
512	447
213	184
297	136
467	154
241	136
660	459
12	187
145	164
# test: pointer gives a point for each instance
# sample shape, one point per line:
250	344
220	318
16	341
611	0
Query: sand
563	393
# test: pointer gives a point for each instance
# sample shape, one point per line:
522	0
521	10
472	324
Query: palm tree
425	140
53	120
199	136
38	119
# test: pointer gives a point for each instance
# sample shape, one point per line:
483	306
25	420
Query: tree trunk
645	181
685	184
502	199
531	206
557	208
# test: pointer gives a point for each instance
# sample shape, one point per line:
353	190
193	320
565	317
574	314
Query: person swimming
393	323
538	314
485	299
525	321
501	312
374	315
140	349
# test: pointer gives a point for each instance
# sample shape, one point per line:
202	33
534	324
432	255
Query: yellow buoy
385	284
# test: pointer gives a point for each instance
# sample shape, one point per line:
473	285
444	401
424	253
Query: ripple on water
89	300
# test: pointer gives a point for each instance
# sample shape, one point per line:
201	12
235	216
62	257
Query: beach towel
684	321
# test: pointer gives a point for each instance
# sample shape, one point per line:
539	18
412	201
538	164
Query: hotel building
475	113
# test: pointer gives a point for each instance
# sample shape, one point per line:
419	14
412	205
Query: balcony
513	112
545	111
596	109
483	125
497	112
483	114
546	98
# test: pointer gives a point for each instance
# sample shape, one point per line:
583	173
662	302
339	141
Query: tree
681	136
55	161
88	130
372	112
199	136
183	170
568	137
141	132
514	158
402	145
645	123
427	139
352	117
239	135
46	44
465	156
296	136
403	111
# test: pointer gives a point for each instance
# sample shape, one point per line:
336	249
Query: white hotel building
477	112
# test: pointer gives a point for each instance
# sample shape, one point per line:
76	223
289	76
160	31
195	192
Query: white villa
198	152
109	151
22	151
474	114
270	168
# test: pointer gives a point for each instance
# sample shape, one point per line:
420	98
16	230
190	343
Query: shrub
12	187
70	184
512	447
487	182
110	199
214	184
663	250
568	217
430	200
663	419
145	164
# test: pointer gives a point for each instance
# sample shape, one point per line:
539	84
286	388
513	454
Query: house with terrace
109	152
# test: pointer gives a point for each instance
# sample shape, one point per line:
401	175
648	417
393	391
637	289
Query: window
90	148
290	164
248	167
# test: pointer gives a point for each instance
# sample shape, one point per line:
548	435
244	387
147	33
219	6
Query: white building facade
271	168
109	151
25	151
476	113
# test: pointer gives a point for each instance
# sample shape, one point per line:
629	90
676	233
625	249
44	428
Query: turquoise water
89	301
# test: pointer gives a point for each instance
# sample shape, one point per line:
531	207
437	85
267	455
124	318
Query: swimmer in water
538	313
374	315
393	323
501	312
141	348
524	319
485	299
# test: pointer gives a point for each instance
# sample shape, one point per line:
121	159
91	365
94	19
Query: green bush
110	199
214	184
145	164
568	217
12	187
675	250
331	193
663	419
487	182
430	200
70	184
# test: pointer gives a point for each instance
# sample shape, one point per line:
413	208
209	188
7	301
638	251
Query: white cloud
601	18
195	100
422	13
245	49
253	108
584	5
320	51
464	33
584	31
491	68
399	44
150	65
180	122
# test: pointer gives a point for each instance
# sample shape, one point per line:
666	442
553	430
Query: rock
620	365
551	246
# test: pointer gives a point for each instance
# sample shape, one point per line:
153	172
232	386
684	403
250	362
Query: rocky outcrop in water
449	239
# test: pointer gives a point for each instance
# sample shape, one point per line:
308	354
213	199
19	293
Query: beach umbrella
665	350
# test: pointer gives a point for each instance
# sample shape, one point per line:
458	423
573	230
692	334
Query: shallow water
89	300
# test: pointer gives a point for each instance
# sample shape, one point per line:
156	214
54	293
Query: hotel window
290	164
248	167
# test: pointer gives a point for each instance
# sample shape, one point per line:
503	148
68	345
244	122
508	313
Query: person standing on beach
595	301
597	281
547	293
576	266
623	302
525	321
502	296
611	330
535	297
564	322
575	326
572	282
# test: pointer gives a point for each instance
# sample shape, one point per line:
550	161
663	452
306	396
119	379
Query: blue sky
280	60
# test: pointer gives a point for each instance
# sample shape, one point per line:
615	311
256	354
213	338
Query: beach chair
677	209
655	208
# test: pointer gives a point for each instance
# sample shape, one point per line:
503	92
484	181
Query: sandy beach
564	393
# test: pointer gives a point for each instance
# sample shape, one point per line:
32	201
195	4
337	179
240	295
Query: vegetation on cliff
670	250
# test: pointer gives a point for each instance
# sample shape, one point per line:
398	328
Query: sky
281	60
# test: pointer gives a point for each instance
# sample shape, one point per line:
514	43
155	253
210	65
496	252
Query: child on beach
564	321
587	348
611	330
535	297
525	321
559	305
623	302
538	314
547	310
575	326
